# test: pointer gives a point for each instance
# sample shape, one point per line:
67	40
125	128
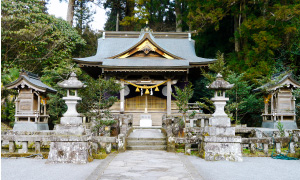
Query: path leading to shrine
147	165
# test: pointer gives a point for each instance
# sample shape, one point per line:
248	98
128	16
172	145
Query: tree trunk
236	39
70	13
178	16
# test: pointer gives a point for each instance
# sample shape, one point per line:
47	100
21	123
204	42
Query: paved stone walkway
148	165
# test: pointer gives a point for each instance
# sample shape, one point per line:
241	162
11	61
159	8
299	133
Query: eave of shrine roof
33	82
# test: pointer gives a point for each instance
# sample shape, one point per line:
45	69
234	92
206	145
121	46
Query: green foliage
183	96
244	105
97	98
280	128
8	96
31	38
217	67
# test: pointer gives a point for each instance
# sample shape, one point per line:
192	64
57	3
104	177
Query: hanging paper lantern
147	91
156	89
137	90
151	92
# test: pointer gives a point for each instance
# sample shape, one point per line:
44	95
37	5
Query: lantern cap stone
71	83
220	84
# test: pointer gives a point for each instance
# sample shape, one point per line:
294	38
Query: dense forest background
257	40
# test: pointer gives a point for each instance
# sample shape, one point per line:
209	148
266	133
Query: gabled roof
110	50
286	80
30	80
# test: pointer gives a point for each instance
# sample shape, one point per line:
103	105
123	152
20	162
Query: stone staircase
146	139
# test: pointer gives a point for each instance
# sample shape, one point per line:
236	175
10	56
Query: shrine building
147	64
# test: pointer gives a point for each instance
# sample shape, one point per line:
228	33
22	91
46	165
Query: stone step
157	147
146	139
140	143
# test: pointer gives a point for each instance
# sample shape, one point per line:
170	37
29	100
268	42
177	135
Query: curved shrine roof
32	81
180	50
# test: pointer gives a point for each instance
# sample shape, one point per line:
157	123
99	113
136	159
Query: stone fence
24	137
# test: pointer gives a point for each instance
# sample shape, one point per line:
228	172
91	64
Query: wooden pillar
122	98
169	97
272	107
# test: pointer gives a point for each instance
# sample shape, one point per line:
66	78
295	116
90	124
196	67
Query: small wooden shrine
280	103
147	64
31	113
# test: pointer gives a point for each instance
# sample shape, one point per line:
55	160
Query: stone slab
69	152
222	151
286	124
145	123
223	139
219	131
71	120
30	126
220	121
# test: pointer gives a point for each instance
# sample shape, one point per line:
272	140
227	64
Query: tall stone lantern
219	141
71	144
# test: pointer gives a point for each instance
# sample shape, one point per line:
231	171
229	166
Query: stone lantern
71	144
219	141
71	117
220	86
71	122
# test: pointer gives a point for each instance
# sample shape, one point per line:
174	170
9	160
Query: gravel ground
252	168
37	169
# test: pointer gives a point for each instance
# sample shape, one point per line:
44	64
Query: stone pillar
122	97
24	147
169	97
202	123
12	146
188	148
266	148
278	148
108	148
37	146
292	147
252	148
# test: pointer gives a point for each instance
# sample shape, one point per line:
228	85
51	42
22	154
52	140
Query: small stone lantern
220	86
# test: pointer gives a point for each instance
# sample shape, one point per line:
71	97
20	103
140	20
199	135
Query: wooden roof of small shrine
144	50
279	82
31	81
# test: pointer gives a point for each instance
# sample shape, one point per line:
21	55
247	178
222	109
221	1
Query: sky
60	10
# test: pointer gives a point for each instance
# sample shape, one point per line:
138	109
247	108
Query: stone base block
69	152
30	126
69	129
71	120
220	121
219	131
286	124
218	148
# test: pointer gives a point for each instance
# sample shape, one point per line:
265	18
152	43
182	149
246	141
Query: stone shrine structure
147	64
280	103
31	113
70	145
219	141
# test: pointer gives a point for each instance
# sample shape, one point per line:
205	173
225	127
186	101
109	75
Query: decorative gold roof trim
146	44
